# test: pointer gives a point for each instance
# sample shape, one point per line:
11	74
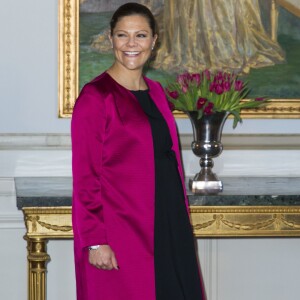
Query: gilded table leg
37	268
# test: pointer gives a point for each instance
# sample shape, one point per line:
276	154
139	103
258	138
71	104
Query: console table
247	207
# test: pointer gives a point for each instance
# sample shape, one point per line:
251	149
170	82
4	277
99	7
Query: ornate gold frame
68	66
68	56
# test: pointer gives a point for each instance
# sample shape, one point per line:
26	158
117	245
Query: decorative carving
68	55
220	218
245	209
37	268
254	226
48	221
36	220
68	44
246	221
58	210
203	225
290	224
55	227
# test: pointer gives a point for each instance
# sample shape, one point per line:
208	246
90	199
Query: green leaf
237	118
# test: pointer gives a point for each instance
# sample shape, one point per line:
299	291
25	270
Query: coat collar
126	103
157	95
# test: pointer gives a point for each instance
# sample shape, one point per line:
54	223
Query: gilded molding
207	221
36	219
48	222
244	209
58	210
275	109
245	221
68	55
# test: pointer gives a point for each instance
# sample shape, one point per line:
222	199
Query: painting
261	43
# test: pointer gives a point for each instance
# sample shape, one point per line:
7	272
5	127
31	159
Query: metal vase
207	144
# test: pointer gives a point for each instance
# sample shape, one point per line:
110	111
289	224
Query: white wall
28	67
234	269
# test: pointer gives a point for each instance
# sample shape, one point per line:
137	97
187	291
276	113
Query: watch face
94	247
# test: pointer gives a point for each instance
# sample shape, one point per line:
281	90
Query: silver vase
207	144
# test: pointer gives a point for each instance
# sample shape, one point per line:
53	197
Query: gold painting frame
68	55
68	70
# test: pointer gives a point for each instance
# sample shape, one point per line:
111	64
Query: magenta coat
113	188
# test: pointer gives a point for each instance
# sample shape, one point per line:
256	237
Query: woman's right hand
103	258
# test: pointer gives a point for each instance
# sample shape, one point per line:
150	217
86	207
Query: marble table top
237	191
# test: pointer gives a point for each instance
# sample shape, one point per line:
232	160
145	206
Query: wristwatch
94	247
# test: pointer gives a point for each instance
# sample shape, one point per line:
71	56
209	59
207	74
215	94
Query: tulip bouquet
209	92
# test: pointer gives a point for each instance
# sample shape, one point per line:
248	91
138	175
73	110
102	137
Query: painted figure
217	35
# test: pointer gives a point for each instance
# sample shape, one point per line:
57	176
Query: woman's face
132	42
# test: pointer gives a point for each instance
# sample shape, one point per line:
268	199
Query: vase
207	132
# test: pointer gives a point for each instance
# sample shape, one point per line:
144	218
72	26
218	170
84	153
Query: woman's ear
154	41
111	41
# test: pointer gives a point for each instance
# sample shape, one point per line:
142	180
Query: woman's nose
131	41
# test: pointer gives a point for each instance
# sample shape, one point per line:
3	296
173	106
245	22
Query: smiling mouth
131	53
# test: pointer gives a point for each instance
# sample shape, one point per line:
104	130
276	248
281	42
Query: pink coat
113	188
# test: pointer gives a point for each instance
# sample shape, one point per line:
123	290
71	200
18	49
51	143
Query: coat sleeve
87	133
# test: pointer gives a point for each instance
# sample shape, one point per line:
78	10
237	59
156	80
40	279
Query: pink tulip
171	105
184	78
196	77
201	102
207	74
208	110
184	88
238	85
219	76
181	79
219	89
212	86
226	86
173	94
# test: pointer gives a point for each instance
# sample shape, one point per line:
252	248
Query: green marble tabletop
237	191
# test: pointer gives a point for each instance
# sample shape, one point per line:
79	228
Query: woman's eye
141	35
121	35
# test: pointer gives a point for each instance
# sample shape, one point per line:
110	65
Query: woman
132	236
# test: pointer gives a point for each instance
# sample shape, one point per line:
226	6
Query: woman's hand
103	258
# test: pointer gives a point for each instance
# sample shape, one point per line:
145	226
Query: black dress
176	267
